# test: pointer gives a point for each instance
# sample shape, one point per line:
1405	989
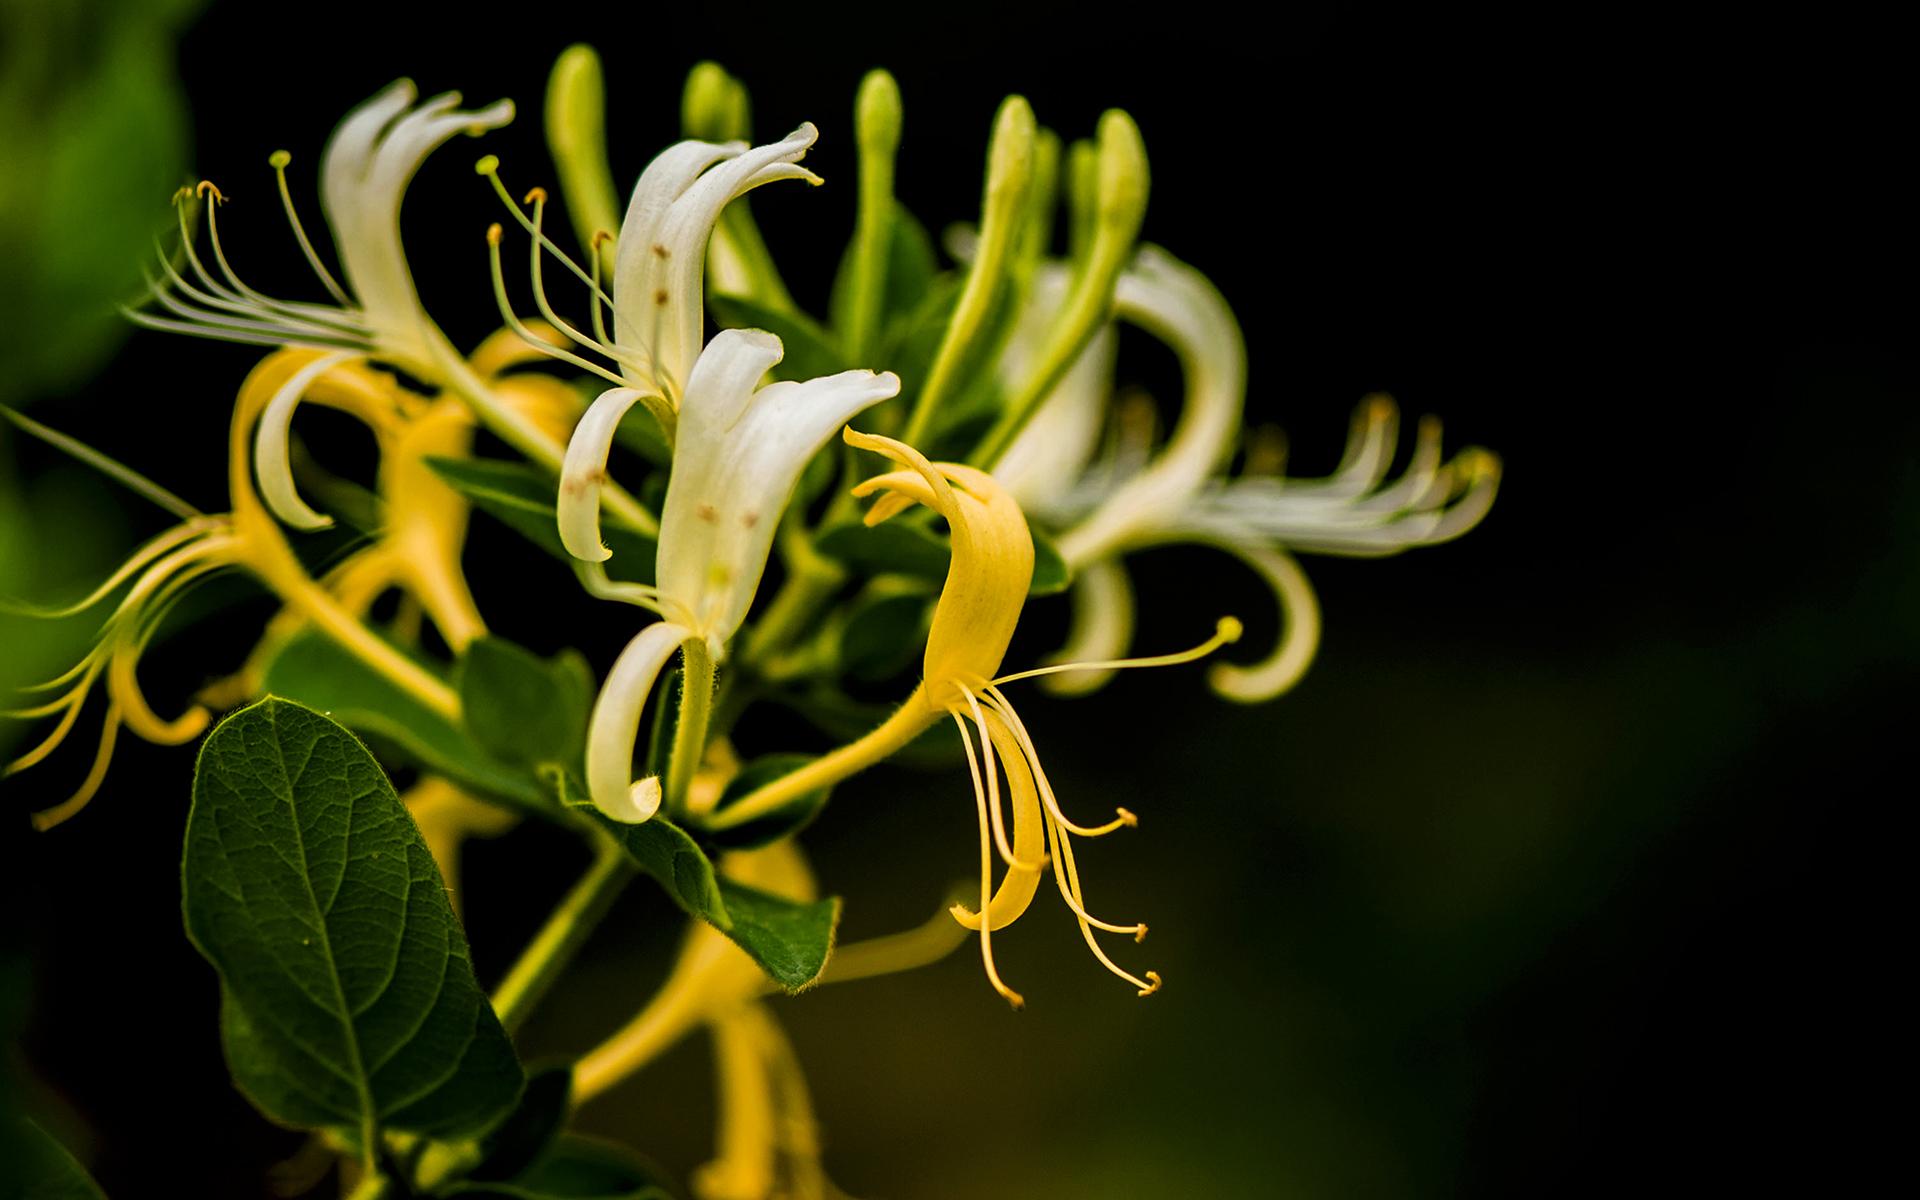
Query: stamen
47	818
1000	704
1068	877
489	166
279	160
1225	633
319	319
1138	930
986	900
527	335
139	559
75	699
593	299
538	198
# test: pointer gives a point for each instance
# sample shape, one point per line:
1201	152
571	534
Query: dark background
1572	865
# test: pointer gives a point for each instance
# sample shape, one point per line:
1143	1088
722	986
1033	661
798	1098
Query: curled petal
585	469
272	461
1299	633
615	724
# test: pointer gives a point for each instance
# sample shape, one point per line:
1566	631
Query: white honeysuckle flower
364	173
737	455
658	292
365	170
1136	496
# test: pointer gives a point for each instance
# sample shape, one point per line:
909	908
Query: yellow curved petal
1017	887
991	570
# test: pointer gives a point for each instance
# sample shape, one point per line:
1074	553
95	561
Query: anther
1153	978
600	238
1229	630
1140	935
494	233
488	165
536	196
206	188
1127	818
279	159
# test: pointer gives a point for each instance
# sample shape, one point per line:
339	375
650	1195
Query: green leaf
351	995
810	350
790	939
521	708
524	498
40	1168
1051	574
885	634
900	547
782	823
312	669
896	547
577	1167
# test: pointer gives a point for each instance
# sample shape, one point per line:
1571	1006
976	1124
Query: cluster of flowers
1003	422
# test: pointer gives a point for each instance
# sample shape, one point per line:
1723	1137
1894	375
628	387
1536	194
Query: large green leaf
351	999
790	939
524	498
312	669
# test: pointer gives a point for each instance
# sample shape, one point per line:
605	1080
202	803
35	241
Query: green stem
690	730
564	933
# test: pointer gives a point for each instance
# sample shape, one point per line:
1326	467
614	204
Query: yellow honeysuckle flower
163	570
973	621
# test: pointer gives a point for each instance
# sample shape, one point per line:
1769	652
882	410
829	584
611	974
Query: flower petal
615	725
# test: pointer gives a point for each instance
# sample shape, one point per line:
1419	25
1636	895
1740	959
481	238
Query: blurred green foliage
95	127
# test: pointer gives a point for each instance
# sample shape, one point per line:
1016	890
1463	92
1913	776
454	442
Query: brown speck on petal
660	250
660	297
750	519
707	512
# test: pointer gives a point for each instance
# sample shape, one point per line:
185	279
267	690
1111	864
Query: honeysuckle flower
973	621
737	456
1138	496
376	314
364	173
657	304
164	569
